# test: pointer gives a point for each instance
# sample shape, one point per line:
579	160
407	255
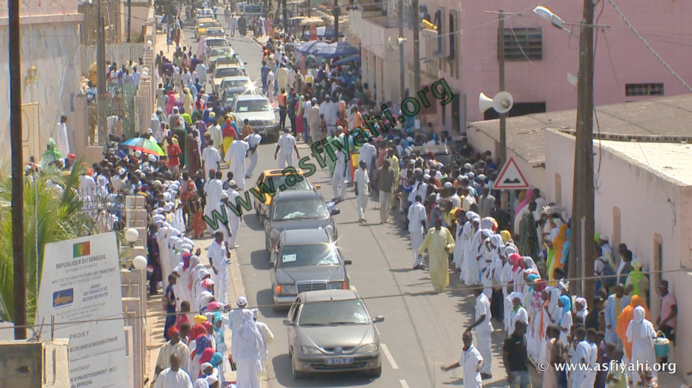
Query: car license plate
338	361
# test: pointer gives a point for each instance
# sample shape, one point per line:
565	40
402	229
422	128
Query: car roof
305	237
279	172
292	195
229	66
328	295
237	77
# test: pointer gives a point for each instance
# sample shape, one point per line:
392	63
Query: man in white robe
61	138
417	225
211	159
284	149
249	350
219	258
213	189
236	158
253	140
483	328
472	360
173	377
362	188
339	176
233	219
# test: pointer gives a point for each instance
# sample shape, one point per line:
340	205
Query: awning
335	50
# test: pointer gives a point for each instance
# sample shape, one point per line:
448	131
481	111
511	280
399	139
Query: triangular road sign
510	177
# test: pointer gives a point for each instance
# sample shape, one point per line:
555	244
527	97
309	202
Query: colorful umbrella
145	145
353	58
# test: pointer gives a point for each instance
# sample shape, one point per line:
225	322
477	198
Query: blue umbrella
354	58
336	50
308	47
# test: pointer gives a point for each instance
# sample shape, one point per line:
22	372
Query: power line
372	297
624	18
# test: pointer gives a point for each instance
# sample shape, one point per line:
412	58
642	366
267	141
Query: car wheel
377	372
297	375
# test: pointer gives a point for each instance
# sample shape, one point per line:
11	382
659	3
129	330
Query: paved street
422	330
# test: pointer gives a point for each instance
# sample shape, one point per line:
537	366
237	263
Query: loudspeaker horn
503	102
484	102
393	43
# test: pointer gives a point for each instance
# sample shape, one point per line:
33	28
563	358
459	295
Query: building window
523	44
437	21
452	38
632	90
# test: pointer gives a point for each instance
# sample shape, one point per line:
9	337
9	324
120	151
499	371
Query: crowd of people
515	263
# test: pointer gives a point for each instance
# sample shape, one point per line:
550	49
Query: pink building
537	75
538	56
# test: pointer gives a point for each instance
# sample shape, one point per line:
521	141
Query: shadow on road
260	260
252	222
282	370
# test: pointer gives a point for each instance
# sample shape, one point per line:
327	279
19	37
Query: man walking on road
385	184
314	121
339	176
438	242
483	328
253	140
286	145
417	226
233	219
219	259
362	188
472	360
516	357
236	158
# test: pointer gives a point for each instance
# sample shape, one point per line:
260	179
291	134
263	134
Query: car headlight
369	348
286	289
337	286
308	350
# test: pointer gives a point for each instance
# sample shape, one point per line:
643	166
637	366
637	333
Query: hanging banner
80	293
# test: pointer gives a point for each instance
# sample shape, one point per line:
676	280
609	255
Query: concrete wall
115	53
53	48
649	205
37	364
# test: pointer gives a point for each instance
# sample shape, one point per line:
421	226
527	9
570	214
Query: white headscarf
530	264
247	341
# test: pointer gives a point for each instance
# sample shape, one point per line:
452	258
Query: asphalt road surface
422	330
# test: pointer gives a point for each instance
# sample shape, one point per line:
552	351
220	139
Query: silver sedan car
332	331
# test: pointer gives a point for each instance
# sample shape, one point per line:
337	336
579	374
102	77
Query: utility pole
129	19
501	60
337	13
284	14
582	244
416	49
402	74
19	270
101	74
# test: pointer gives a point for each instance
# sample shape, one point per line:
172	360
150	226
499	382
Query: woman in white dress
641	333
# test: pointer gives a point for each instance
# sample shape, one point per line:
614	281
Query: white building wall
649	205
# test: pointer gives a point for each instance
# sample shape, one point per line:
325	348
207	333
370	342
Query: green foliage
52	212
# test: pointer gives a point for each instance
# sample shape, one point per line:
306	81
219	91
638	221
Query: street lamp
549	16
583	186
139	262
131	235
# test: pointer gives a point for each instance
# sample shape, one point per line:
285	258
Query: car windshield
215	32
216	43
236	83
228	72
253	106
253	9
305	255
300	210
279	181
220	51
339	312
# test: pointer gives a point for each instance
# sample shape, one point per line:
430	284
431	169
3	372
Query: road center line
388	354
403	383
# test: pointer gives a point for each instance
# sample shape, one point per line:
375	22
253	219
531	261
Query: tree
53	211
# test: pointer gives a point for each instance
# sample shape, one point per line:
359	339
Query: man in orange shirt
357	118
283	104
